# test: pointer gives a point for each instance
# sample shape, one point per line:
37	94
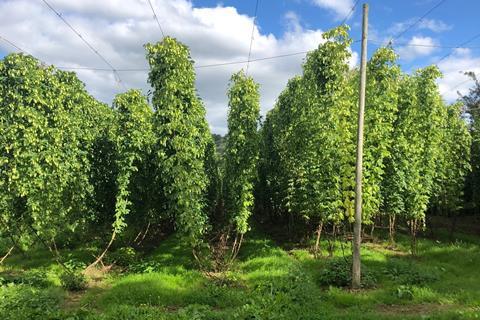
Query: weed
404	292
337	272
123	257
34	278
407	274
73	281
23	302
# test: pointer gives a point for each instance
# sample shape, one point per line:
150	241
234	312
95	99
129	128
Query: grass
266	282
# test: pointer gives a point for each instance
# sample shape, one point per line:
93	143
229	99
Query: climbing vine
181	136
241	151
48	123
134	141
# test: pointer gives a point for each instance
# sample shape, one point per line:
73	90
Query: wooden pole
357	228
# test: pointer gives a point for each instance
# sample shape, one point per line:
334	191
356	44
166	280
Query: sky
221	31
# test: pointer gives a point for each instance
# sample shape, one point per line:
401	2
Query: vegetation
267	282
49	124
410	153
73	281
241	154
134	144
181	136
138	212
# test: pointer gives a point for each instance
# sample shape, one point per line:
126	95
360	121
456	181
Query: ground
268	281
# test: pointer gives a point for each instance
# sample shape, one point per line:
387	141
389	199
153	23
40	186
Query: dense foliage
181	134
472	109
380	115
308	163
453	162
241	150
49	124
73	170
134	142
416	152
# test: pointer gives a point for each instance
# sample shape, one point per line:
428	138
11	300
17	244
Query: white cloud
293	21
341	8
118	29
434	25
453	68
354	60
416	47
425	24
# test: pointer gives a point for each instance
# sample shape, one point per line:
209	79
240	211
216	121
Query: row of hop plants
73	167
416	151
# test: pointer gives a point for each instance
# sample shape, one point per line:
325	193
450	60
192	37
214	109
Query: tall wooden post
357	228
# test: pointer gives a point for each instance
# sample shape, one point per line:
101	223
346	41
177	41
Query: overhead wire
406	44
85	41
14	45
462	45
378	43
20	49
461	83
418	20
116	70
199	66
249	60
156	18
146	69
251	37
352	9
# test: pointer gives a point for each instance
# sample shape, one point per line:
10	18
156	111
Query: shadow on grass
42	258
173	252
268	282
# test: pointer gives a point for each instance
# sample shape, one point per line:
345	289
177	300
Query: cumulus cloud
434	25
119	28
340	8
454	79
425	24
416	47
293	21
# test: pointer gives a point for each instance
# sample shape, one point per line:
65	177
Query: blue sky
219	31
459	17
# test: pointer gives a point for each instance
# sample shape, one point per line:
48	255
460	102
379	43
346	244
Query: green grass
266	282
